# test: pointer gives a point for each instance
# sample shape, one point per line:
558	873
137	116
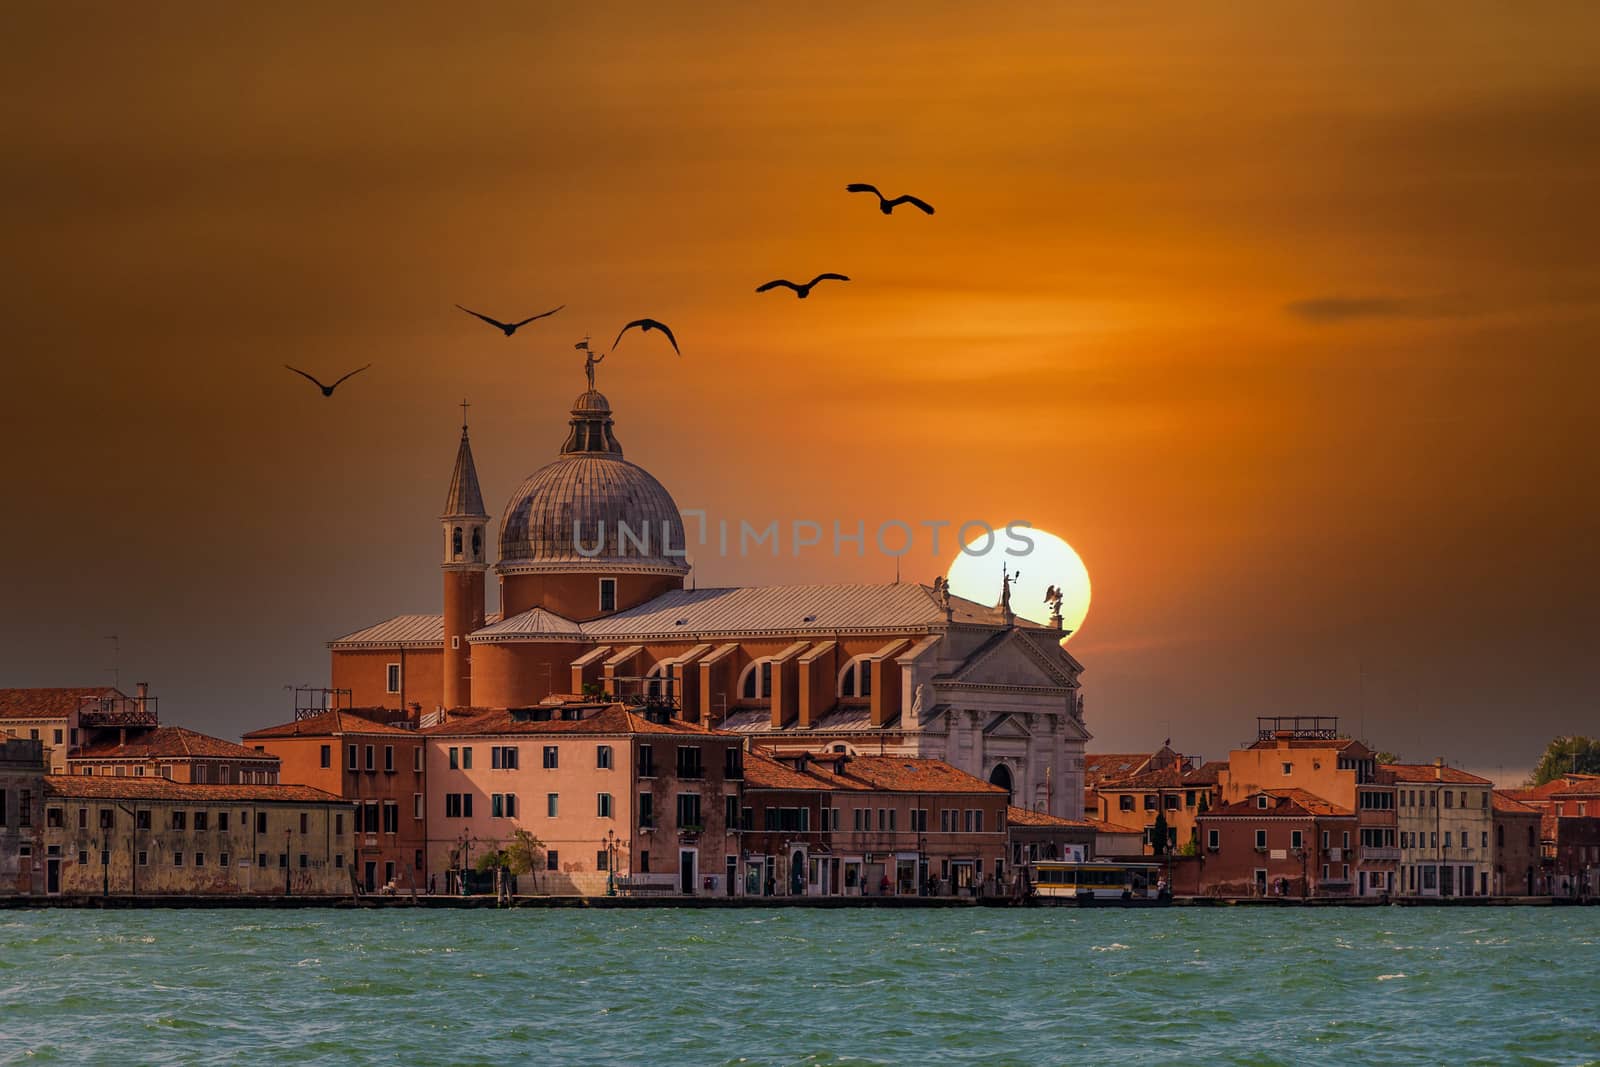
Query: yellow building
153	837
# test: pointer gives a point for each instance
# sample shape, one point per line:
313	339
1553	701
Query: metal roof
465	499
400	631
532	621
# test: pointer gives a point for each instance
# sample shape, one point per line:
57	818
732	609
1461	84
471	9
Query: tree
1386	757
1567	755
1158	835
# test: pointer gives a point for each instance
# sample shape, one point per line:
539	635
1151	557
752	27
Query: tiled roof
71	786
1432	772
1580	788
531	622
763	772
1505	803
1016	816
1206	774
888	774
613	719
1338	744
825	609
414	631
327	724
170	742
50	703
1286	802
1103	766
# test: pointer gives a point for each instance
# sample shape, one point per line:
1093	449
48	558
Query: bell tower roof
465	500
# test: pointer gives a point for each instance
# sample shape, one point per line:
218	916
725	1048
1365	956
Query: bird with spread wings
645	326
327	390
800	291
886	205
509	328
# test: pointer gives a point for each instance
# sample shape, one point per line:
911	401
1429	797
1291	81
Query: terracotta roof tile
1432	772
612	719
1016	816
71	786
169	742
328	724
1288	802
1505	803
1102	766
50	703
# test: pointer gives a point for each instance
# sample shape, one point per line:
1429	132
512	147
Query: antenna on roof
115	670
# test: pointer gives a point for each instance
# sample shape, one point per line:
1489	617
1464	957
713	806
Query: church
592	573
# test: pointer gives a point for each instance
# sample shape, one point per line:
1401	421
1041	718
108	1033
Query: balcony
1379	855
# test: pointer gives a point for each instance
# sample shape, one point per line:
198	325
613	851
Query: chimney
1438	769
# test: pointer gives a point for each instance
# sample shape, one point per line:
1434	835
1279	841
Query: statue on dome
590	360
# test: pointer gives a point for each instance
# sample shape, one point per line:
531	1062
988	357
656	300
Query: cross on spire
464	407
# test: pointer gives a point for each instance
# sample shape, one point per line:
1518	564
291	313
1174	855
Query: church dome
592	510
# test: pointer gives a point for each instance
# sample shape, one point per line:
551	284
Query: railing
100	712
1372	854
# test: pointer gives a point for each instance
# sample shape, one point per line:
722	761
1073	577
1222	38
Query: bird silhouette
327	390
646	325
507	328
886	205
800	291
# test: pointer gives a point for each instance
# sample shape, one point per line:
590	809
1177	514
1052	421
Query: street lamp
611	863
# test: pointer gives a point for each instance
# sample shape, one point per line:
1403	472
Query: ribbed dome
589	494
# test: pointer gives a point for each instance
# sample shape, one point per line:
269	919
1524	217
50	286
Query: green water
1250	986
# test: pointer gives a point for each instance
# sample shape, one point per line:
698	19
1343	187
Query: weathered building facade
23	764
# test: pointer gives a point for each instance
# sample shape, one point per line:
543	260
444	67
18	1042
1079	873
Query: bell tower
464	566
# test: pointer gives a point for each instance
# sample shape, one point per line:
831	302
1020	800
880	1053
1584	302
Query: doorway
686	872
52	875
370	883
733	873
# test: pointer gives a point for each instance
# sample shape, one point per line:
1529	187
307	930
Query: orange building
1176	789
591	575
377	768
832	824
50	716
175	753
607	791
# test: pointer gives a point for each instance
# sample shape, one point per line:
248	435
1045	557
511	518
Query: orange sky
1284	318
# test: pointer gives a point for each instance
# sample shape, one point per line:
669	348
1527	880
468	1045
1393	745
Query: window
350	761
372	762
647	761
919	820
452	805
201	819
1485	842
1296	839
689	765
180	820
327	755
388	759
303	861
552	805
1261	839
1213	840
855	681
860	820
505	757
393	673
416	759
602	757
688	810
177	859
83	857
608	594
1346	842
1447	832
261	859
416	807
603	805
1325	839
1449	799
1171	800
600	860
455	758
391	817
644	863
730	813
1149	802
552	757
552	860
24	806
199	859
1261	801
52	817
455	542
1125	802
1484	798
58	737
497	806
756	681
141	820
338	823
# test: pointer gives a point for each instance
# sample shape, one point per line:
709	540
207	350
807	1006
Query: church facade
592	572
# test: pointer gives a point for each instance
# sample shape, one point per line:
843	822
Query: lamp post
611	863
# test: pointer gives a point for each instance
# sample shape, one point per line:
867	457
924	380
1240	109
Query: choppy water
1246	986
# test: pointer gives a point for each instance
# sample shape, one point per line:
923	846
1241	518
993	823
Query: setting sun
975	574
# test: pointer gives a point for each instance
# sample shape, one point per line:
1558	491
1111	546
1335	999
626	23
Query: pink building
606	790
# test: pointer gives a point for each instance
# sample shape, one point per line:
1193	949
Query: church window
856	678
608	594
756	681
477	543
455	543
393	677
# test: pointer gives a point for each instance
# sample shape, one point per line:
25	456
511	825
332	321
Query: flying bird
507	328
647	325
800	291
327	390
886	205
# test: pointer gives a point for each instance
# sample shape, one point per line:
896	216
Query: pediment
1012	660
1007	726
